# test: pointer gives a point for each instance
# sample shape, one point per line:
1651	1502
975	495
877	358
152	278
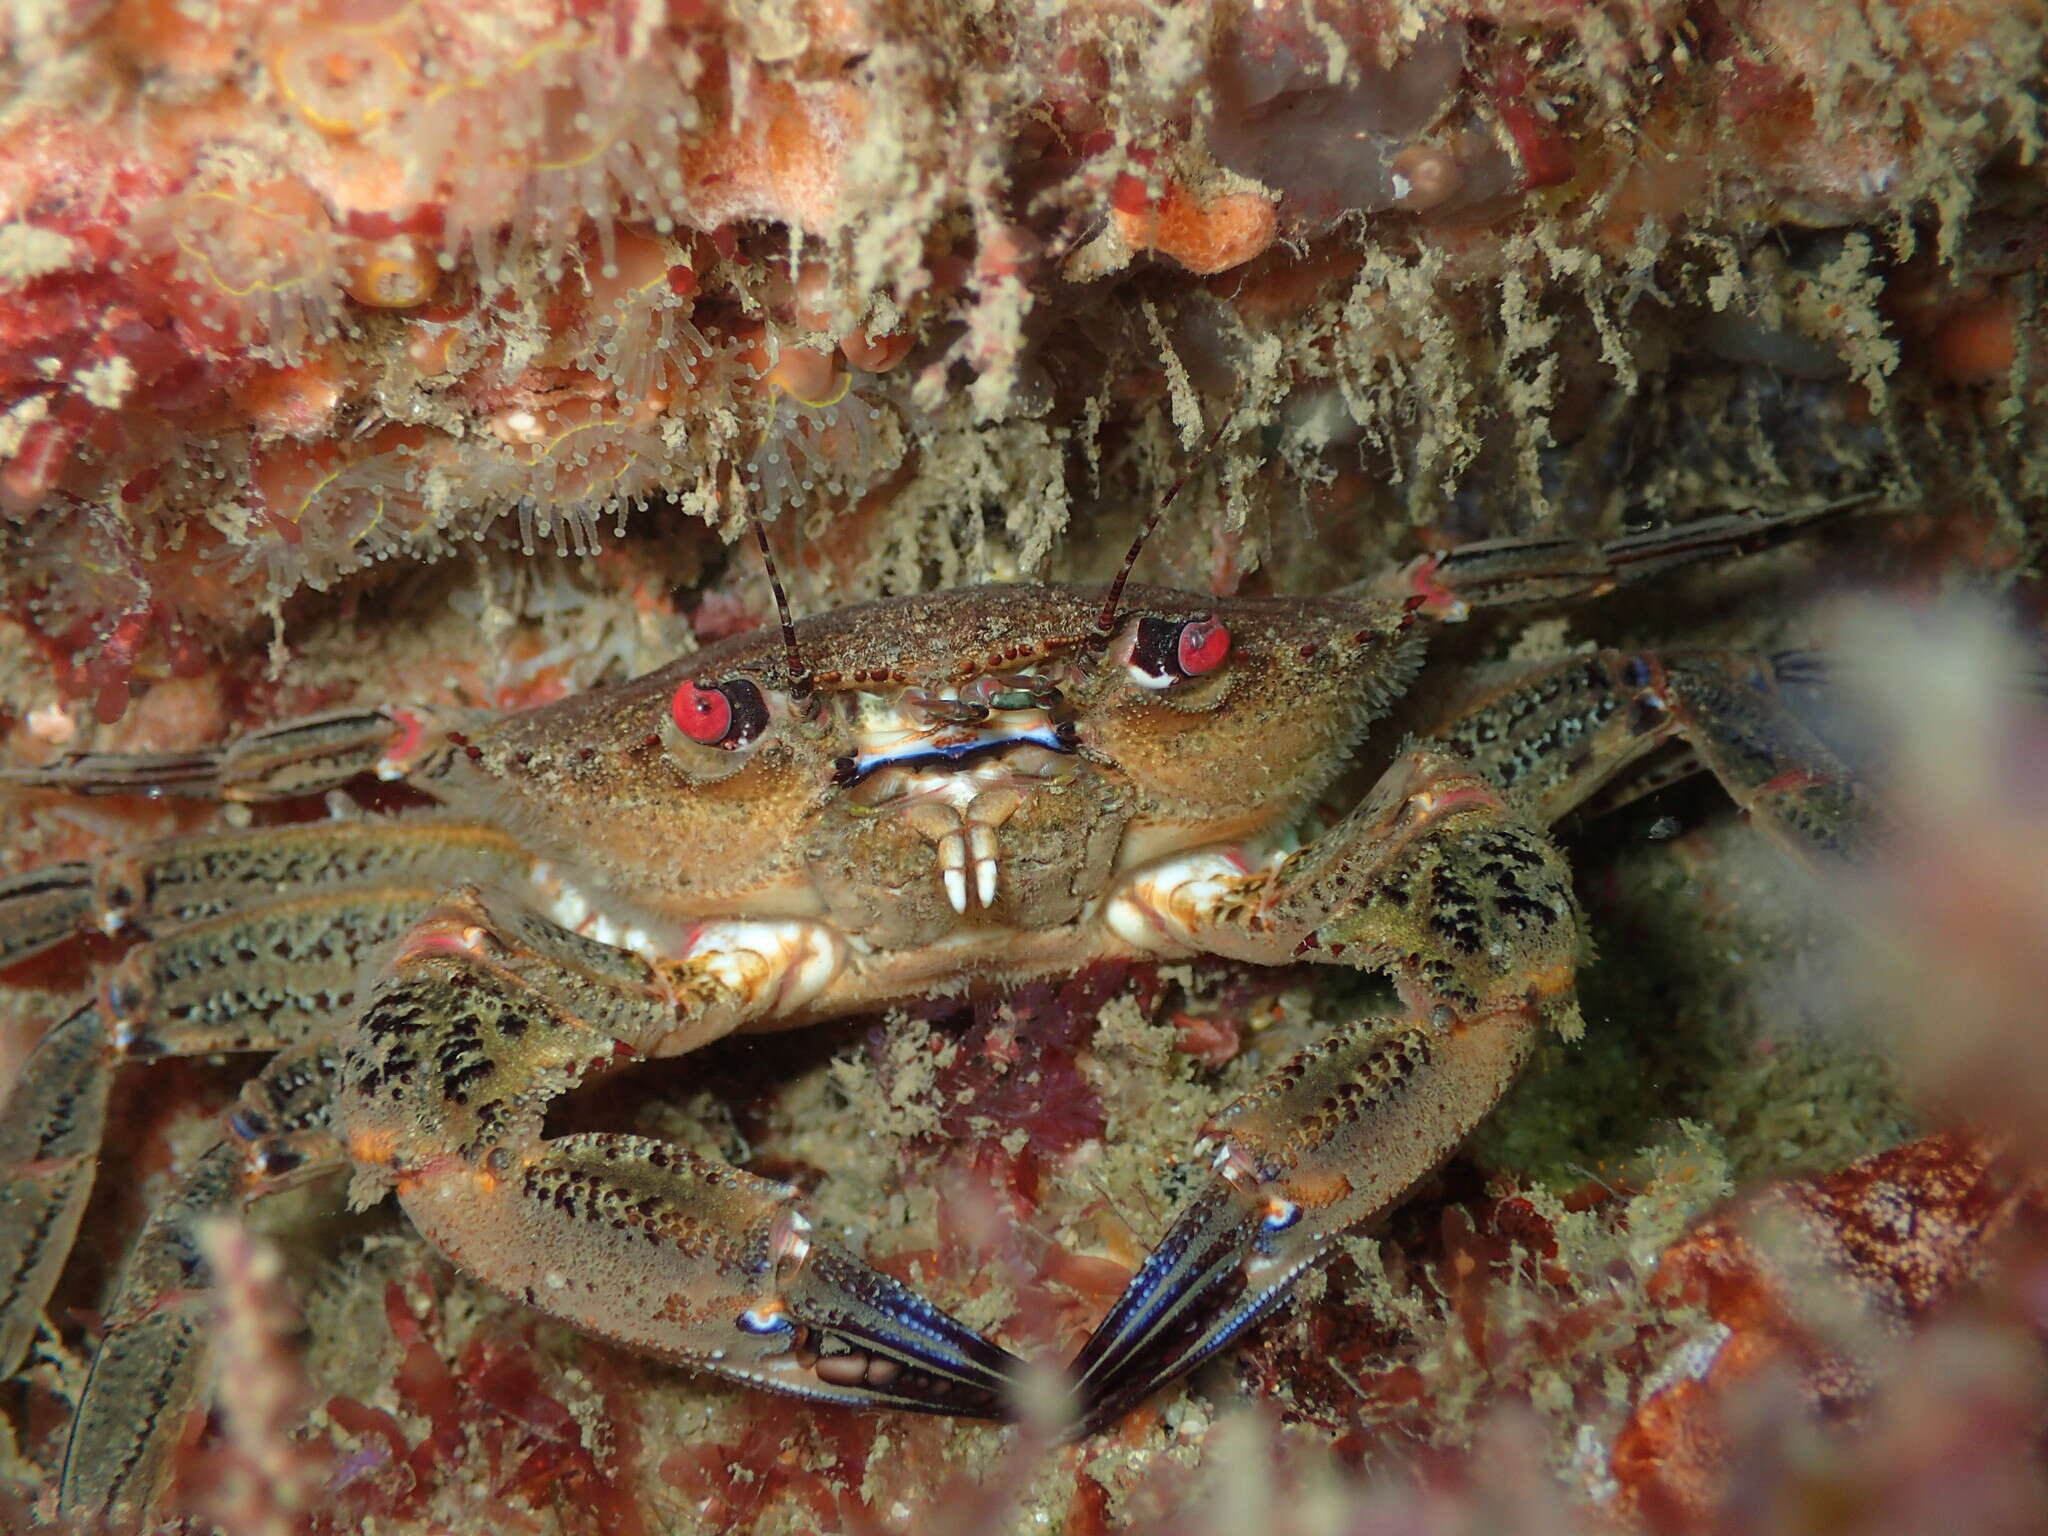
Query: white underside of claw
776	966
1168	908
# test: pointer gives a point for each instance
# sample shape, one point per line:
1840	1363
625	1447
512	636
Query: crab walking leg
1437	881
1558	734
50	1132
245	981
256	980
485	1016
1498	572
181	879
150	1369
42	907
300	757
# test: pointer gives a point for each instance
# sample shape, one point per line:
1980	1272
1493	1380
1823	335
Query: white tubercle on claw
570	908
1167	908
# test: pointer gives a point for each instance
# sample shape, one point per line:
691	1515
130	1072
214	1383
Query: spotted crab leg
50	1130
265	979
149	1372
486	1015
182	879
1563	732
233	969
1438	881
1421	881
242	981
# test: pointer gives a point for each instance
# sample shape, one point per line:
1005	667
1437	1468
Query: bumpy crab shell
708	833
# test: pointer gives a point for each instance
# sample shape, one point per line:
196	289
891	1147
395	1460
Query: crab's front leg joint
1192	905
772	969
1438	881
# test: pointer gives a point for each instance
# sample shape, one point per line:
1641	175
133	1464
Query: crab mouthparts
956	774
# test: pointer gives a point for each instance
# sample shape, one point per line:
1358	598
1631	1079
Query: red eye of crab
1202	646
1170	651
725	715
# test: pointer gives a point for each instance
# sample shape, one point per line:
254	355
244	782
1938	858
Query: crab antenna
800	683
1105	621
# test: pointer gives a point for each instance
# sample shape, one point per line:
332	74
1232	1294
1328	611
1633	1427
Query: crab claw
1227	1260
851	1334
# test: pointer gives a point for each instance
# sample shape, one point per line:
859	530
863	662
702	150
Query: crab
944	793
